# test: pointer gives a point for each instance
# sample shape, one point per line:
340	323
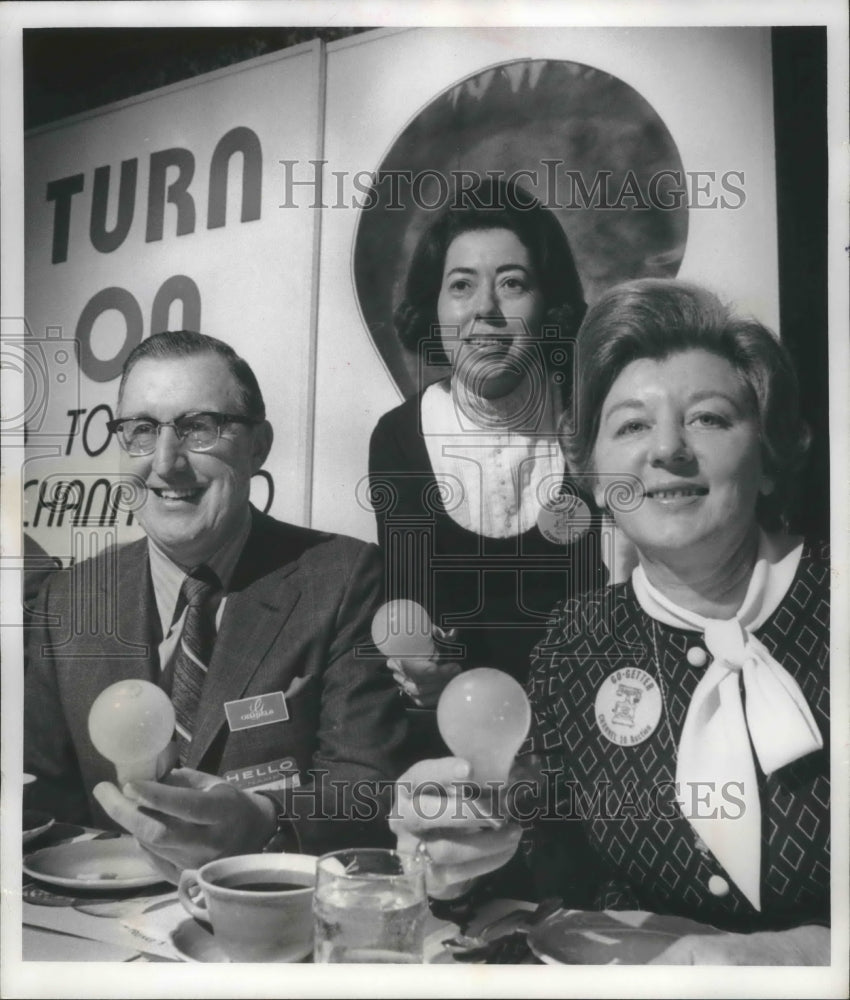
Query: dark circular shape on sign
104	300
588	145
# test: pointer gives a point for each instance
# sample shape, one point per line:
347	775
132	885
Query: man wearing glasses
255	628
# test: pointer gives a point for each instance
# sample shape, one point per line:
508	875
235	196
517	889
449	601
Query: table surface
61	924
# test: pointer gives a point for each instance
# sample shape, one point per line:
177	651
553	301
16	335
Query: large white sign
229	204
709	88
164	212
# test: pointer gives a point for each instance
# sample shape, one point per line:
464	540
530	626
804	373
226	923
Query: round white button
718	886
628	707
566	520
697	657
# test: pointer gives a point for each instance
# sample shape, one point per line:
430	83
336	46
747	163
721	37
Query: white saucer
195	943
118	863
36	822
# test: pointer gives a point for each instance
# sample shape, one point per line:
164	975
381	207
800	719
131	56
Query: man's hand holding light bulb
185	818
131	723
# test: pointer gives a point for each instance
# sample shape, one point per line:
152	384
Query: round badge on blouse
564	521
628	706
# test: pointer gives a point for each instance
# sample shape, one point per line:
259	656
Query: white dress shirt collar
167	576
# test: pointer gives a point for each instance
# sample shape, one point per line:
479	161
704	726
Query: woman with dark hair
461	472
681	718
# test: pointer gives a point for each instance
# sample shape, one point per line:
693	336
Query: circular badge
628	706
564	521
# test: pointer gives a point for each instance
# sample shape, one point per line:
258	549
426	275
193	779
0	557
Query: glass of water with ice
370	905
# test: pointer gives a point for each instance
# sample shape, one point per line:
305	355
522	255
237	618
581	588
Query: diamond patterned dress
609	834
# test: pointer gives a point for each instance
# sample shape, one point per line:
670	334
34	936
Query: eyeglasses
198	431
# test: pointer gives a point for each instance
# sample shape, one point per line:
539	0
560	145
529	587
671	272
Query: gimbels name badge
258	710
628	706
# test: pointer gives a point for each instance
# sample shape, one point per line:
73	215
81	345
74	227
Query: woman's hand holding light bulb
434	810
484	716
403	632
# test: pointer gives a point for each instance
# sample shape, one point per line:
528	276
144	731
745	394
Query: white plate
94	864
35	822
608	937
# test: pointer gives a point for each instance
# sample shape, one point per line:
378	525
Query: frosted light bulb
403	629
484	715
131	723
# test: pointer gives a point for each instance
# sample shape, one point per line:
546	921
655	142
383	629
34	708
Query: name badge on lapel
258	710
273	775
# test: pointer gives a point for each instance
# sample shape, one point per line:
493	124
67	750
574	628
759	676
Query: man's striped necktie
194	650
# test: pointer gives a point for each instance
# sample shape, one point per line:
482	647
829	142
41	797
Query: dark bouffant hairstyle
491	204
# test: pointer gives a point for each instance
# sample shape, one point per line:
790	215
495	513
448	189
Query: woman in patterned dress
681	719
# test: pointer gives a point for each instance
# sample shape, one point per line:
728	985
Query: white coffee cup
259	905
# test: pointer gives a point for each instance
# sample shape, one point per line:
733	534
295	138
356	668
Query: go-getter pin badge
628	706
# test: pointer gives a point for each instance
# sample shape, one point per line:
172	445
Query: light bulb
403	629
131	723
484	715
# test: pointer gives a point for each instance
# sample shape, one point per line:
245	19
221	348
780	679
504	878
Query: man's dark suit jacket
297	612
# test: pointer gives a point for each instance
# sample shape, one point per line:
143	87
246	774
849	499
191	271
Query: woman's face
687	427
490	307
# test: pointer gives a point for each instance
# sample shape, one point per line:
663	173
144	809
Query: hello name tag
628	706
258	710
275	774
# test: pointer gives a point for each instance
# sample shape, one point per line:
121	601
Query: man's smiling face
194	501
